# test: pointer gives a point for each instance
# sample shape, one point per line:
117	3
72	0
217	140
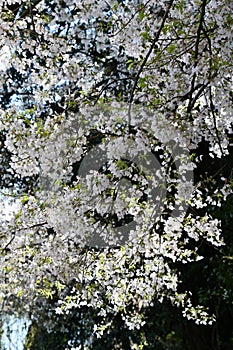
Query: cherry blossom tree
109	113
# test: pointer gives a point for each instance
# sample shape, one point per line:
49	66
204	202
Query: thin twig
210	89
127	23
196	54
22	229
156	38
215	121
32	19
28	10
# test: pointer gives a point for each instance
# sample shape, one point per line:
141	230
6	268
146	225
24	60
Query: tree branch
196	54
29	9
156	38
